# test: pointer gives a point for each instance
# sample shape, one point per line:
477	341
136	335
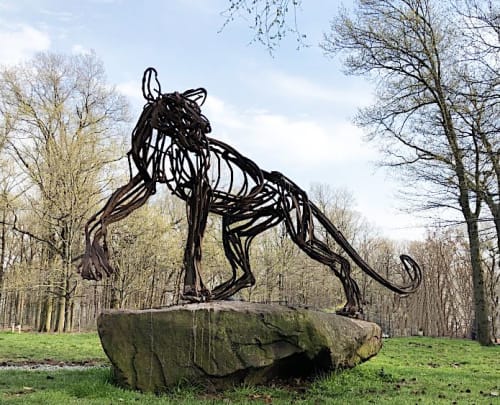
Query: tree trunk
497	228
19	308
2	251
481	308
47	315
68	314
114	302
39	312
61	309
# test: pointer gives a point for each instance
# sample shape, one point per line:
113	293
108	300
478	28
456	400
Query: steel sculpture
170	145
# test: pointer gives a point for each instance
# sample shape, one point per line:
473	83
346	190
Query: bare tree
443	304
479	106
413	49
62	117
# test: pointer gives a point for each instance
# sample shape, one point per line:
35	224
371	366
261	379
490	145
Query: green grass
43	347
406	371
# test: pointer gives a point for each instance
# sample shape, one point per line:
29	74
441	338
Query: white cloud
78	49
204	6
305	89
283	139
7	6
307	149
106	1
131	90
396	225
62	16
20	42
225	115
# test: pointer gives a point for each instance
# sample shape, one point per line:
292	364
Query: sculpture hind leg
299	221
340	266
232	245
237	238
122	202
237	249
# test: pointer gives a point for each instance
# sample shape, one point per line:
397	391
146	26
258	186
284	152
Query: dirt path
52	365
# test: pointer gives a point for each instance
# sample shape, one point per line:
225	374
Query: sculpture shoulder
227	153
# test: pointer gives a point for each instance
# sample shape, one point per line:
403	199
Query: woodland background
59	166
63	142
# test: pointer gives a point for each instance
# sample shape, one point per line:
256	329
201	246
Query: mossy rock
219	344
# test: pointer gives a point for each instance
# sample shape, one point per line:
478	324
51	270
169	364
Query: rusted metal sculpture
170	145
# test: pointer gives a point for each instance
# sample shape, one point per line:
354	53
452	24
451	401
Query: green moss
224	343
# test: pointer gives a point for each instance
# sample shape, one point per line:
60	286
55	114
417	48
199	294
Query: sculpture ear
197	95
147	90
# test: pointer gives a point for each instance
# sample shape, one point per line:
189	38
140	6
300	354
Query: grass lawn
51	348
406	371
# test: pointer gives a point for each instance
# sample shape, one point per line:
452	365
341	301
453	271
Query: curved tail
410	267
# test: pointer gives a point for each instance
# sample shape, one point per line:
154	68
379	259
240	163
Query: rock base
220	344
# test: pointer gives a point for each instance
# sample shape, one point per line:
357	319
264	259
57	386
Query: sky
291	111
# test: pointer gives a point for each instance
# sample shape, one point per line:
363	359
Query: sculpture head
177	115
181	111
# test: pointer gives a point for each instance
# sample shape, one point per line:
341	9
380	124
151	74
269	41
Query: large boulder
219	344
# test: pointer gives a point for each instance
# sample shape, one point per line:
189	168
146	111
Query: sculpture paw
351	311
87	269
193	295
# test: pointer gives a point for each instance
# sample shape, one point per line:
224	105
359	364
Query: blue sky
291	112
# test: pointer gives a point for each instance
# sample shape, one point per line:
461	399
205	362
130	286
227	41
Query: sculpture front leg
95	260
197	214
